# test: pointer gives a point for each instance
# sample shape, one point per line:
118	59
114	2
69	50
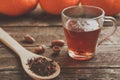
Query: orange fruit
111	7
56	6
17	7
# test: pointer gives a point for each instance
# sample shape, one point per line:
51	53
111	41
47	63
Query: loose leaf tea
41	66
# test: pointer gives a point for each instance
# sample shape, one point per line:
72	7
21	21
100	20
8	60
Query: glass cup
82	27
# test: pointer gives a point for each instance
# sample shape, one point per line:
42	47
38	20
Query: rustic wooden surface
45	28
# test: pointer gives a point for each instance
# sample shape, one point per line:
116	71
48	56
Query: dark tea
82	26
82	39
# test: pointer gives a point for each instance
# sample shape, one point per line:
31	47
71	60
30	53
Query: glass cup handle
114	22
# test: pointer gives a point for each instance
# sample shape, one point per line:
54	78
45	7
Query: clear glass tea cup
82	27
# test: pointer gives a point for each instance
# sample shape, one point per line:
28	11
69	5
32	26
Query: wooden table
45	28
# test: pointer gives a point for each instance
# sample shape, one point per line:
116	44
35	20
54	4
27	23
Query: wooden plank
44	35
105	65
107	56
8	60
91	74
68	74
14	75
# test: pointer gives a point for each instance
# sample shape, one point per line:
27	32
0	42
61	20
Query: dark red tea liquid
81	44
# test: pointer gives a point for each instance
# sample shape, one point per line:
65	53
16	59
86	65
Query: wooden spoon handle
11	43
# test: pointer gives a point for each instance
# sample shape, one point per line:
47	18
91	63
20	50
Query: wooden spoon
25	55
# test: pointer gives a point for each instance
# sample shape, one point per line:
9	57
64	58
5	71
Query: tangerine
111	7
17	7
56	6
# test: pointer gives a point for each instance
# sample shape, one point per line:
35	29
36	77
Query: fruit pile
21	7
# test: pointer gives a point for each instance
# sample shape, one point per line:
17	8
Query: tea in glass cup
82	26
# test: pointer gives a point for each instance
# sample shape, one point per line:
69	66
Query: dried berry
40	49
57	43
41	66
56	49
29	39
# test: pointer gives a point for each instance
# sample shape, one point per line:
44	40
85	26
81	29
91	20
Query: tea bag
82	25
73	25
88	25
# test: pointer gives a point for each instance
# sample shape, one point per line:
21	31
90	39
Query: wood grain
68	74
106	54
104	58
44	35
